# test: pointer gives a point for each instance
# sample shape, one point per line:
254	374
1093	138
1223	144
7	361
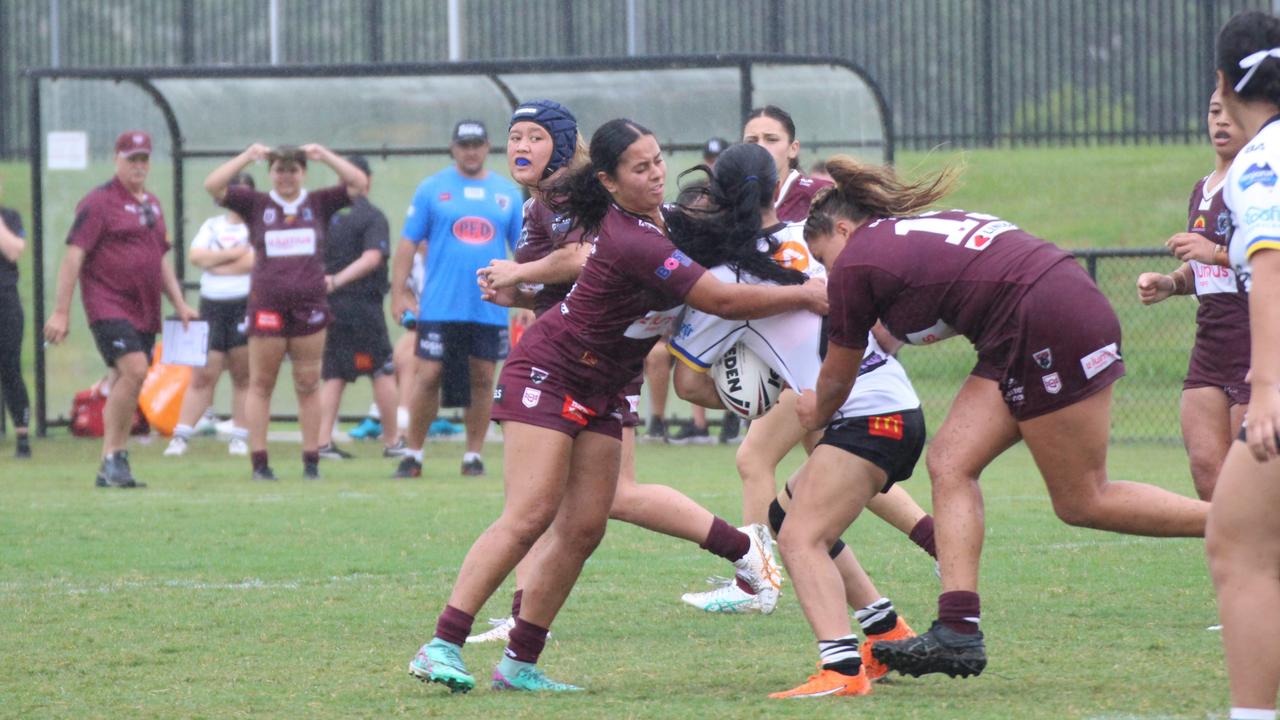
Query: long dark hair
862	190
773	112
1243	35
578	192
717	221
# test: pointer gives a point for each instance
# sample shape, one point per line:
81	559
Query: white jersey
218	234
790	343
1252	195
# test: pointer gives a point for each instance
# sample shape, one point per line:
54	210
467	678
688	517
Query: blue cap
556	120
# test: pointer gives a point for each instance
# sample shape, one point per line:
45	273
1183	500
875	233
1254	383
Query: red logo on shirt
889	426
473	230
445	197
267	320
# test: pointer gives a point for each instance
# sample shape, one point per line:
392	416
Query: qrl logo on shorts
576	411
267	320
473	230
889	426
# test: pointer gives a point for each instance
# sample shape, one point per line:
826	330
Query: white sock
470	456
239	433
1238	713
842	649
183	432
374	413
873	613
415	454
402	419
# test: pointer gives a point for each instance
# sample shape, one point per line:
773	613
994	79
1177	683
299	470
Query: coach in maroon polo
116	250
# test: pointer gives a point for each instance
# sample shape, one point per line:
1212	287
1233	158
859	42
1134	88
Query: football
745	383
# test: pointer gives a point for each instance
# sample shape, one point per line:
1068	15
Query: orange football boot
873	667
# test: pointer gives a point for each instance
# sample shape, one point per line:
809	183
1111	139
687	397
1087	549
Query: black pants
11	384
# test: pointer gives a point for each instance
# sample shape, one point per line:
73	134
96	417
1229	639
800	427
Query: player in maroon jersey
557	397
287	309
772	128
1048	347
1214	394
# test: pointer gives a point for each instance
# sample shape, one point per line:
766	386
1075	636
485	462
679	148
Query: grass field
207	595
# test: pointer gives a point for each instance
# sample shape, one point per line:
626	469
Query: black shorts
892	442
227	323
116	338
483	342
357	343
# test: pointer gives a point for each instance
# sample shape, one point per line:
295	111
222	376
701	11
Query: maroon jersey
797	193
1220	355
288	243
628	295
542	232
935	275
123	238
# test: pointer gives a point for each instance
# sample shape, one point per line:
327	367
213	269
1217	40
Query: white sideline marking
179	584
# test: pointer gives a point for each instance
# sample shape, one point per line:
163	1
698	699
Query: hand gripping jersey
929	277
789	342
543	232
1254	199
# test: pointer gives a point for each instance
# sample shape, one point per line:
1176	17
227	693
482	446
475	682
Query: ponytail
862	191
578	193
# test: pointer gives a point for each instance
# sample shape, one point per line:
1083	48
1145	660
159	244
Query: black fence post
777	16
373	21
187	31
566	28
8	136
989	74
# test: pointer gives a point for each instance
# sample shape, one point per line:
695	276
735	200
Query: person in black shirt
12	387
355	265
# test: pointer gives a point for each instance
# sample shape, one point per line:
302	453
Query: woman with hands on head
287	310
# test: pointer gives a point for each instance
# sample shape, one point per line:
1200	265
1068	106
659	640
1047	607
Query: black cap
714	147
469	132
360	162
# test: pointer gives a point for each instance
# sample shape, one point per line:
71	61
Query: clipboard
189	346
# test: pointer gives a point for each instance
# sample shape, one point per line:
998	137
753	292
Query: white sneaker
501	631
226	427
207	425
728	599
237	447
177	446
759	568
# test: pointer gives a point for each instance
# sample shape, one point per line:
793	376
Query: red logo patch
576	411
267	320
889	426
473	230
363	362
445	197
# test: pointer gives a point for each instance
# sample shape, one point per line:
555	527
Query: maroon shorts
298	320
629	403
1064	346
1207	368
527	394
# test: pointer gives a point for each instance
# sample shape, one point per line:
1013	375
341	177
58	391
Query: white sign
185	346
68	150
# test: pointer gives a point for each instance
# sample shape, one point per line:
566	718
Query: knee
944	471
306	382
625	503
1077	510
526	524
582	536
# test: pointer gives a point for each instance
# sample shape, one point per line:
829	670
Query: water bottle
409	320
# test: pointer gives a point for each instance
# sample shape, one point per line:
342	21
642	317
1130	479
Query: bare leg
424	404
768	441
199	393
306	354
406	373
658	508
536	462
657	377
265	356
977	429
1243	544
897	508
1207	434
122	402
1070	448
477	414
578	528
825	501
384	394
330	399
238	365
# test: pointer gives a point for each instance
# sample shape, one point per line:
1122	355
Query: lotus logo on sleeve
1258	175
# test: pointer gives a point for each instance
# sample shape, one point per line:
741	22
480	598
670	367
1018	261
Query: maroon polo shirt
124	241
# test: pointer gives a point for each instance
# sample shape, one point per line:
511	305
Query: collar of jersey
786	185
289	208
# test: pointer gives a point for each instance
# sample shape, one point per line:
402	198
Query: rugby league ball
745	383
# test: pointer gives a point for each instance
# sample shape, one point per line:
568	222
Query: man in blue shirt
467	216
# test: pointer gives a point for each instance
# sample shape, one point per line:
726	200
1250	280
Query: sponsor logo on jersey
306	214
1224	223
887	426
267	320
316	317
792	255
633	403
1254	147
119	344
1258	175
1099	360
985	234
872	361
1198	225
531	397
269	216
677	259
473	193
576	411
538	375
1052	383
653	324
1265	215
504	201
1043	358
588	358
473	230
932	334
444	197
498	392
524	237
290	243
1014	394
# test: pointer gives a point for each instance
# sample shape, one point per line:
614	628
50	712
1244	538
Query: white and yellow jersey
1253	196
791	342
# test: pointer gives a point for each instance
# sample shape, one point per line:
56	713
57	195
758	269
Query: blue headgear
556	120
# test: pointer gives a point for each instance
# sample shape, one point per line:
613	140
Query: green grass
1120	196
207	595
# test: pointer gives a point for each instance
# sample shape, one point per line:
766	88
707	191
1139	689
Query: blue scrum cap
556	120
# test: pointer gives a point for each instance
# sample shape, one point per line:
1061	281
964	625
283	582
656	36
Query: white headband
1251	64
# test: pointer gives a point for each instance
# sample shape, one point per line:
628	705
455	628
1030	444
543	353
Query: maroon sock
922	535
743	585
515	603
959	610
454	625
726	540
526	641
310	457
259	459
